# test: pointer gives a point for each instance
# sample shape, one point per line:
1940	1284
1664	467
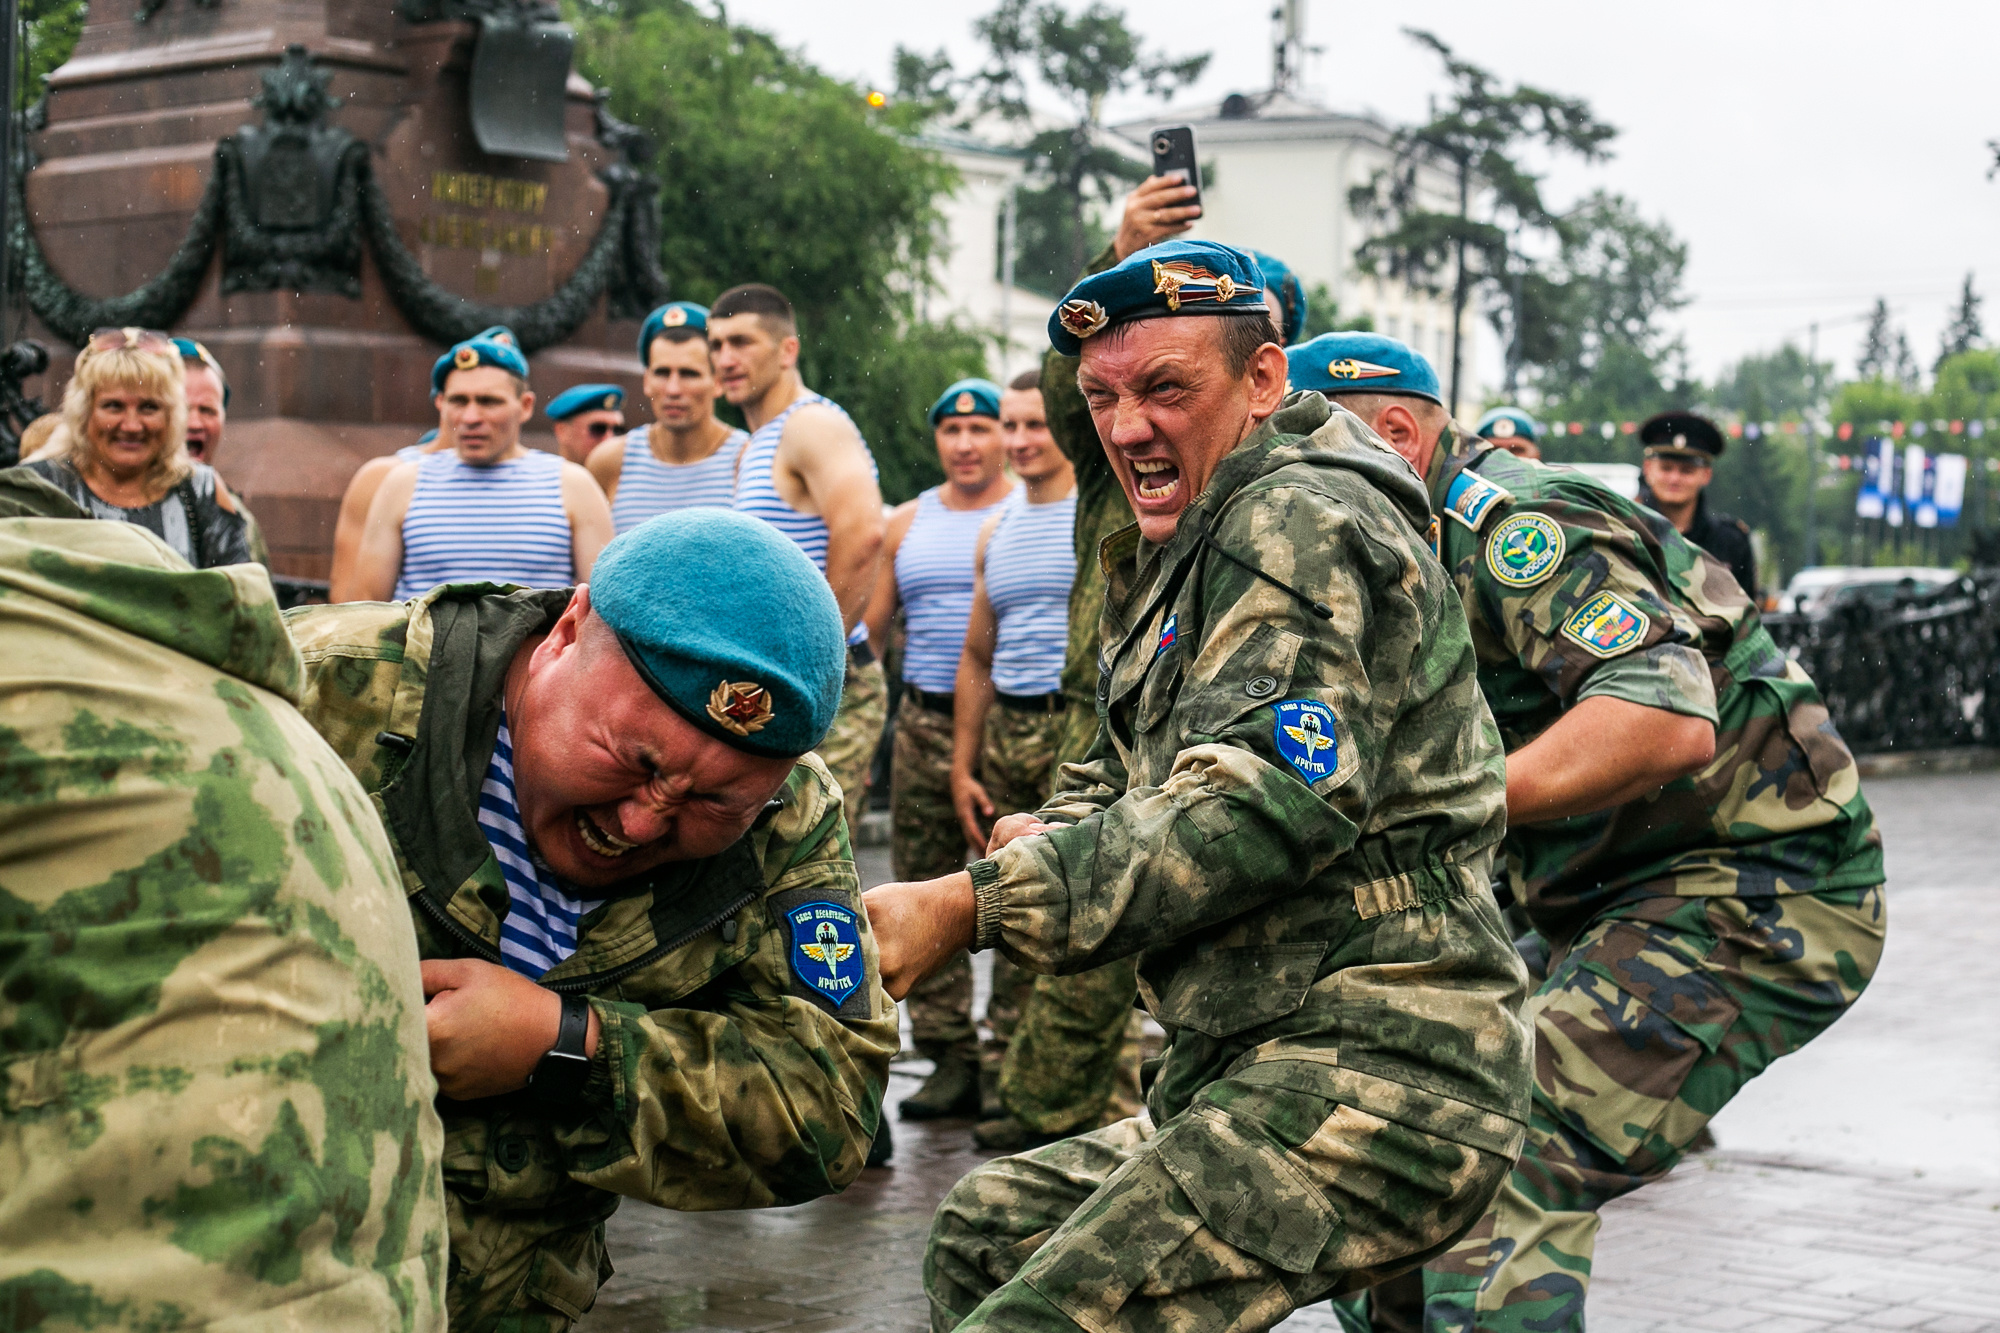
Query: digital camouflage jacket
1573	591
721	1079
1290	810
215	1099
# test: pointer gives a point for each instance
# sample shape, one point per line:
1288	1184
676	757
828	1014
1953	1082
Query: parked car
1814	592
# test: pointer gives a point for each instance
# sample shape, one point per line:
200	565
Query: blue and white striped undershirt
502	523
934	583
647	487
1030	564
540	929
757	494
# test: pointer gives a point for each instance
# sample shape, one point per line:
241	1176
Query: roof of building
1260	117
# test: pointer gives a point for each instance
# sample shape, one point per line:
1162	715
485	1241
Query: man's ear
1268	372
566	633
788	351
527	404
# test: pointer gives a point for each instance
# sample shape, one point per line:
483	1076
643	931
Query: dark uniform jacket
1722	536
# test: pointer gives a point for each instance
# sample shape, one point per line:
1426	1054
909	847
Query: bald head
1408	424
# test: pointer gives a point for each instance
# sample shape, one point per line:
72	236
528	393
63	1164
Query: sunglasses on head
146	340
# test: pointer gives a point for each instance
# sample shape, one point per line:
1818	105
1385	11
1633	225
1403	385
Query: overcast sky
1813	156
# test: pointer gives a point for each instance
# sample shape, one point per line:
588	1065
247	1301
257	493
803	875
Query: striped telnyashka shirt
647	487
498	524
1030	564
540	928
757	495
934	583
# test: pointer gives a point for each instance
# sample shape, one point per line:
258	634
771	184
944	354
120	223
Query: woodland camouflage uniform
217	1107
849	749
720	1081
1685	940
1345	1081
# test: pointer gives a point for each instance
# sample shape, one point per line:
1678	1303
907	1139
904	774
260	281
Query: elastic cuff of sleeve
600	1090
985	904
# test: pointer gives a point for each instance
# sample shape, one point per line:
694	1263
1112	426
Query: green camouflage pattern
216	1106
1346	1077
715	1083
927	842
849	748
1778	811
1657	1016
1016	763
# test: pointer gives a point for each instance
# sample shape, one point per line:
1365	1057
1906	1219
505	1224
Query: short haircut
1430	416
766	302
1242	335
1027	379
132	368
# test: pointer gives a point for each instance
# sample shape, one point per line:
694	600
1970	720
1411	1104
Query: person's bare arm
589	519
351	523
1154	211
822	453
882	602
972	700
1601	753
606	464
379	562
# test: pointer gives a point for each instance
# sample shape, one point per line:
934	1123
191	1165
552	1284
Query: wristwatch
561	1074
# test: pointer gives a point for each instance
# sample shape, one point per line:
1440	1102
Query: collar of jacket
1456	451
432	802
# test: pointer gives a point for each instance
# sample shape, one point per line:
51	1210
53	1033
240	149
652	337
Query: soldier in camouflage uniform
1687	831
1289	816
218	1110
727	975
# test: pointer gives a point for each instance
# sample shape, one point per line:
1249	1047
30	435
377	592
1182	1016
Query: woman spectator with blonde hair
126	457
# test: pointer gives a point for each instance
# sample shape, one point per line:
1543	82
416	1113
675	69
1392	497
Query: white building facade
1013	321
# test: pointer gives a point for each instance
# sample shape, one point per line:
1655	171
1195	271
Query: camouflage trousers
511	1272
1255	1201
1064	1051
1652	1020
849	748
926	842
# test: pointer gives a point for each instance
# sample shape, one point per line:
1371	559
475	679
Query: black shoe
951	1090
884	1146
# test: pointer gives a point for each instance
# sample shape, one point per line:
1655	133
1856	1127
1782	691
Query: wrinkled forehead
1129	354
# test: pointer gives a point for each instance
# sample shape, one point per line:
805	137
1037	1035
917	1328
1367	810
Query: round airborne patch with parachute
1524	550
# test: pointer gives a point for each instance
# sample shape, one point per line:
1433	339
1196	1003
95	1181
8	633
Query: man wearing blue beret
1511	429
1288	817
686	456
585	416
489	510
648	967
1685	833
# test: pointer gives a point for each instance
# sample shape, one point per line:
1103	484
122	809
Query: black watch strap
566	1068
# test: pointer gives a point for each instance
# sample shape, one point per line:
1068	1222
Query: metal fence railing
1917	675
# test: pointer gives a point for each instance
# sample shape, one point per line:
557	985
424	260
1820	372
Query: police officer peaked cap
586	398
1337	363
758	665
1508	423
476	352
1171	278
1279	278
1681	433
673	315
967	398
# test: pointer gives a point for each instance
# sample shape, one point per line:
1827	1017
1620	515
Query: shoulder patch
1524	550
1305	739
823	948
1606	625
1470	497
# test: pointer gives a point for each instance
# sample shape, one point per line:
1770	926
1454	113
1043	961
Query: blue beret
967	398
427	436
480	351
1278	277
586	398
1336	363
498	333
191	350
1171	278
759	668
1507	423
673	315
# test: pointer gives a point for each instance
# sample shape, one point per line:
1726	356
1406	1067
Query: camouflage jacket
1290	818
722	1079
1574	591
215	1101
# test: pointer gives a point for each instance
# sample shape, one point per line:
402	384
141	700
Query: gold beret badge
740	706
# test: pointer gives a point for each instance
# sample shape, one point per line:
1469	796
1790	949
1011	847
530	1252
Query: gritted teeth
1150	465
1165	473
599	841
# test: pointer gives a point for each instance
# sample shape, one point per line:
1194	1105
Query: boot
951	1090
1006	1134
884	1147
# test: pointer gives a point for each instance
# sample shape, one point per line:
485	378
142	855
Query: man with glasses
1681	449
585	417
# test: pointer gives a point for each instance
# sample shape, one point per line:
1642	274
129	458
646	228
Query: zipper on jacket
465	937
573	985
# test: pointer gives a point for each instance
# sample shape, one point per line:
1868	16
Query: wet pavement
1856	1185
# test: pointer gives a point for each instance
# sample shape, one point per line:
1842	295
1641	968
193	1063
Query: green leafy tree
777	173
53	27
1877	357
1963	332
1771	386
1476	138
1081	60
1324	315
1967	386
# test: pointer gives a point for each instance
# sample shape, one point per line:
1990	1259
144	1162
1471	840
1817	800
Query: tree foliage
1963	331
1476	139
777	173
53	27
